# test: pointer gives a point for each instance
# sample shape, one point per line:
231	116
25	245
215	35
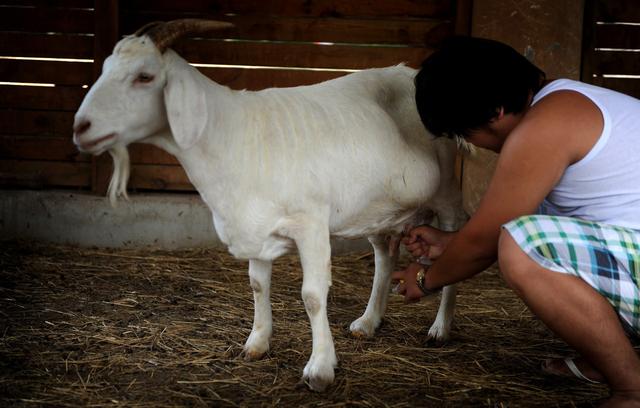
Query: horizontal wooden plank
629	86
62	149
316	8
416	32
36	123
59	98
147	154
256	79
149	177
166	178
40	148
86	4
44	19
46	45
54	72
620	63
617	36
616	11
299	55
41	174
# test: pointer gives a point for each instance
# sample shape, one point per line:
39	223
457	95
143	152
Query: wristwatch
420	283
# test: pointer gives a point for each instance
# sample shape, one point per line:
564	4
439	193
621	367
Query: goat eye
144	78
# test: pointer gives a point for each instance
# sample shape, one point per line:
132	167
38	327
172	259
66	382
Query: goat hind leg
450	218
366	325
258	341
441	327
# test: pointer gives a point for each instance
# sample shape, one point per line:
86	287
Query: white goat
281	168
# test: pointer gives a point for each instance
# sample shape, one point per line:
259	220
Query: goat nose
81	126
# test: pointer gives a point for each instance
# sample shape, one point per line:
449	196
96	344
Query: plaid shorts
607	257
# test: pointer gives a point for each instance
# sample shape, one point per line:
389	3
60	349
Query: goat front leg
260	279
312	239
366	325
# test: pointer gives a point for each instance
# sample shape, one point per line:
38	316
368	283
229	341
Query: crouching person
562	211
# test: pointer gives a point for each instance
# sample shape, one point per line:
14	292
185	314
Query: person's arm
555	133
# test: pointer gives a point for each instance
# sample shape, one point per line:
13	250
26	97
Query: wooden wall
549	33
611	45
35	121
596	41
60	46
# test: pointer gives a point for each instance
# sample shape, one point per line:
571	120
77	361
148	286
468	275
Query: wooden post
464	9
462	26
588	68
105	37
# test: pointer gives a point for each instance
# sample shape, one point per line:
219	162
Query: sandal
573	369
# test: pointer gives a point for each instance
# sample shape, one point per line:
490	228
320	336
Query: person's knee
513	262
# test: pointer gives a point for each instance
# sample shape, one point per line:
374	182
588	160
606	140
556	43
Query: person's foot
576	368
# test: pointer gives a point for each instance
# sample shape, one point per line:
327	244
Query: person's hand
426	241
406	283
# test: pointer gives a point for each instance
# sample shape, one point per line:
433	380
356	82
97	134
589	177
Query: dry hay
96	327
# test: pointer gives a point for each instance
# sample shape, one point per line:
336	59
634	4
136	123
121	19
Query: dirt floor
146	328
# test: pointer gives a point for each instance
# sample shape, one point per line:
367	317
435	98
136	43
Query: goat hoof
435	342
319	371
358	334
437	336
318	377
256	346
252	353
363	328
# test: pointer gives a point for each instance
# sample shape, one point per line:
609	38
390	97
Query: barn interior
140	305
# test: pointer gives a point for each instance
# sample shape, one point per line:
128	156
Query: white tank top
605	185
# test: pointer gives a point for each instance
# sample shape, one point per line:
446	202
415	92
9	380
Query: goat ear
184	98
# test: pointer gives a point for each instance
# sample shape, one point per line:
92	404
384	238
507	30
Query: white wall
163	220
167	221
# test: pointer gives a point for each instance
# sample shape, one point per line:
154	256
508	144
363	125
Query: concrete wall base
167	221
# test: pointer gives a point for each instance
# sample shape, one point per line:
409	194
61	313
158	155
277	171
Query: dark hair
462	85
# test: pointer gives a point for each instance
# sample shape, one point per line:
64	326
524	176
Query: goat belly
370	222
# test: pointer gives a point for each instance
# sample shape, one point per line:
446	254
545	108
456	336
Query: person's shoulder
564	110
565	119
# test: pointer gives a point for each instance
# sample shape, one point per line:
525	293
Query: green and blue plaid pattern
607	257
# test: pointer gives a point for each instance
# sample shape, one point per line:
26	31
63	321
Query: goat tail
120	176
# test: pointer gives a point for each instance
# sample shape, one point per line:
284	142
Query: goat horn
143	30
164	34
